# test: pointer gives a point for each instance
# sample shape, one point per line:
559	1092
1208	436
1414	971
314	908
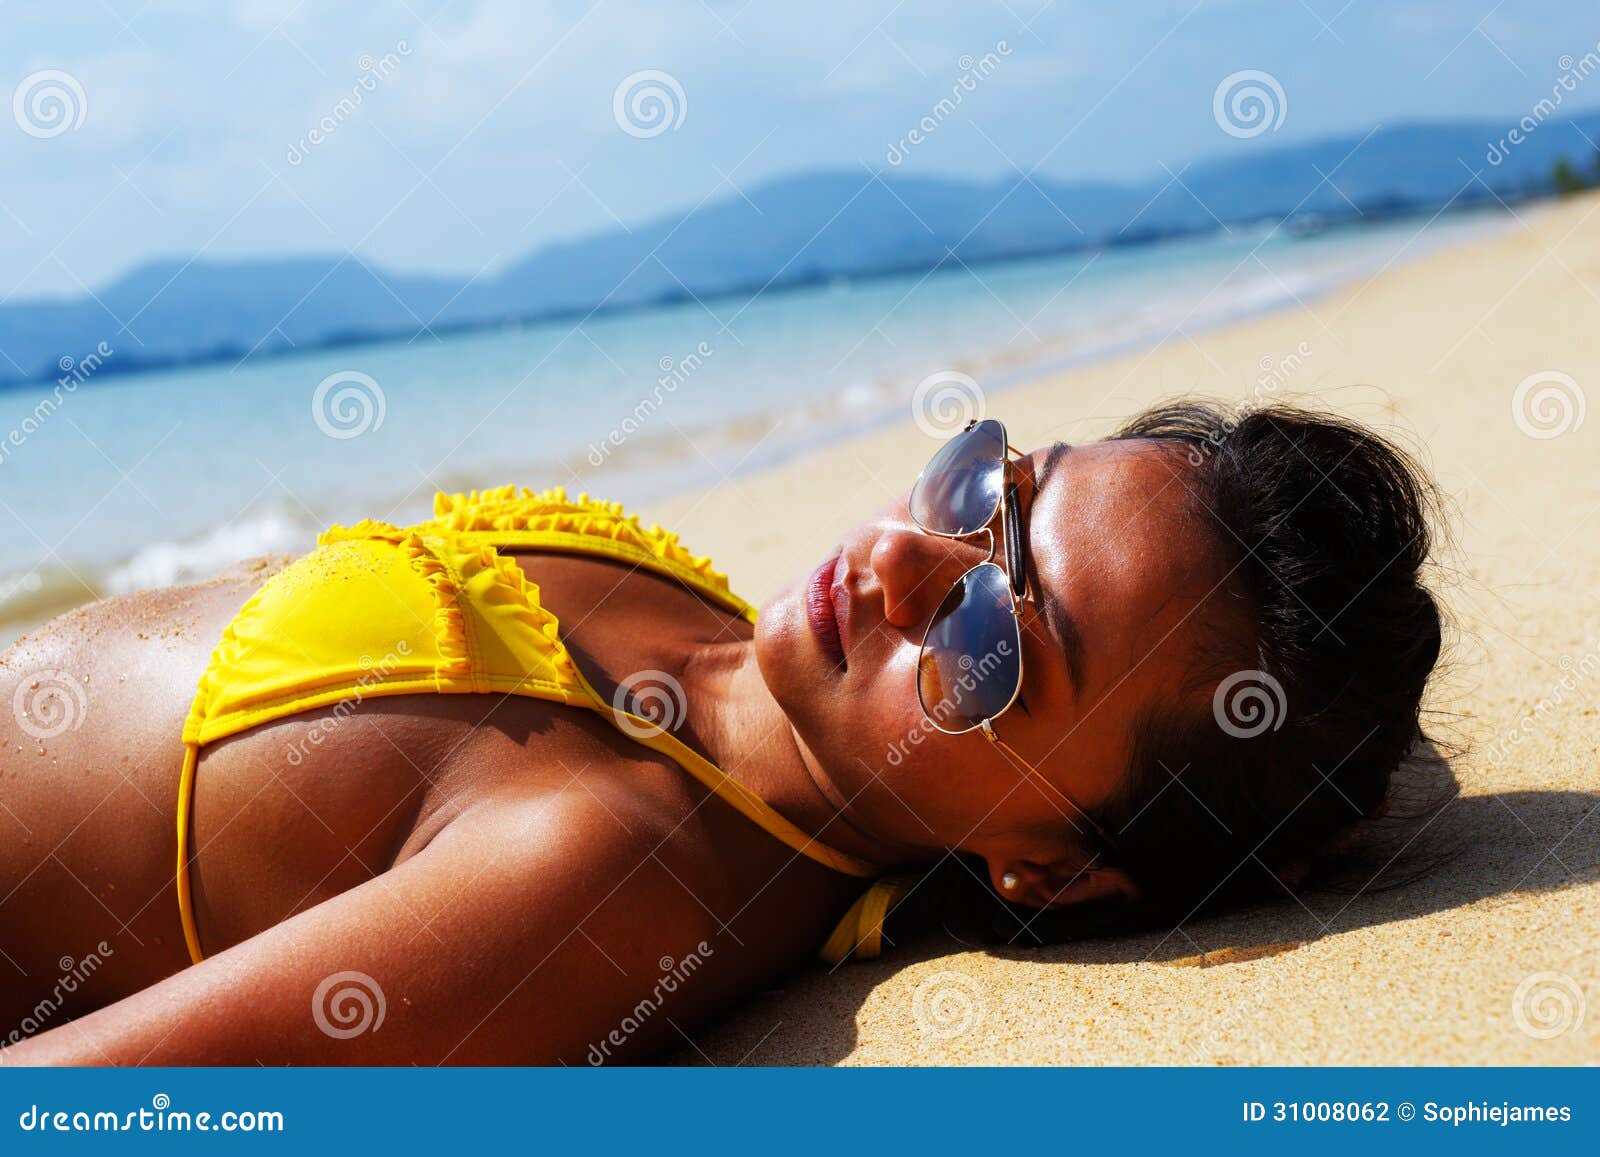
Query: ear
1060	883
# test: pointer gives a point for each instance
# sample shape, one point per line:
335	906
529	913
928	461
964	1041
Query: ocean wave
162	564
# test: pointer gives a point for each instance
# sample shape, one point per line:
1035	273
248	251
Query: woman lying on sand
525	783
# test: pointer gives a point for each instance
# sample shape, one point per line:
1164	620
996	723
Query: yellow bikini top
378	609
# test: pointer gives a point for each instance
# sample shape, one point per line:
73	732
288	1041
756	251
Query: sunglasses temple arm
1011	754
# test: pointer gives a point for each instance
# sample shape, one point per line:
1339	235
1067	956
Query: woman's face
1118	560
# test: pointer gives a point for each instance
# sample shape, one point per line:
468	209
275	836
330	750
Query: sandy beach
1478	356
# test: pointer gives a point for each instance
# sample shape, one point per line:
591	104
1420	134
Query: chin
782	642
796	671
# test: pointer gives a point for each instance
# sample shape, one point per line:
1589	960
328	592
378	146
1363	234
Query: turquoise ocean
122	481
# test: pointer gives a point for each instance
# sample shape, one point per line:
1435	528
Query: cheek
859	721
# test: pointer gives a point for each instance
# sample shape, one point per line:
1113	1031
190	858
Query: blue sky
492	130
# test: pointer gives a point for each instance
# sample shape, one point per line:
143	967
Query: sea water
128	481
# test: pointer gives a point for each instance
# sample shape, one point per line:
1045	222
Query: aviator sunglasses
969	671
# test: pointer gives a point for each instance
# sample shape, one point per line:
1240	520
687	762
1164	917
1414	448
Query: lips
827	603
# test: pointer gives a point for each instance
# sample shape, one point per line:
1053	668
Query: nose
916	571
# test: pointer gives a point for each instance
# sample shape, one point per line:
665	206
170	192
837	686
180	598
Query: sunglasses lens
971	661
959	491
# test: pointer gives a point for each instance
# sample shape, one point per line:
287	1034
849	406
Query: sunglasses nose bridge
988	533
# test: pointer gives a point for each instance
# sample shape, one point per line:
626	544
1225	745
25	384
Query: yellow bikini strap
733	793
861	930
191	932
736	795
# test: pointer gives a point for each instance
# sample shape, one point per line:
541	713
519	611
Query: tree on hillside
1567	179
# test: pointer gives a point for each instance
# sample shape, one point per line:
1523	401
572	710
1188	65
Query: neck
744	731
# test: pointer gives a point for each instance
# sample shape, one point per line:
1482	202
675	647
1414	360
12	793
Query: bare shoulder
172	620
601	849
125	659
255	570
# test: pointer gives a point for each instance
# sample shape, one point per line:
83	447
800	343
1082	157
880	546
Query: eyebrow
1056	616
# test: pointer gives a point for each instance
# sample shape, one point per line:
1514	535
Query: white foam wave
159	564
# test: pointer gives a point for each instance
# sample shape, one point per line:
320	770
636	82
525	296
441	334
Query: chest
620	621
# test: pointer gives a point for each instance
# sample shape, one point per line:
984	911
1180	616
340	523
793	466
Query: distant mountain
791	231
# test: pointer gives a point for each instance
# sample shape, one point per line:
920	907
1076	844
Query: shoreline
662	466
380	339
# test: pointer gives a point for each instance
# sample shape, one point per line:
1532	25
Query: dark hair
1289	732
1325	529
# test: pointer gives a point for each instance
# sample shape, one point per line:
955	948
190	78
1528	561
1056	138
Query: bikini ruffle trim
449	628
509	588
520	509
